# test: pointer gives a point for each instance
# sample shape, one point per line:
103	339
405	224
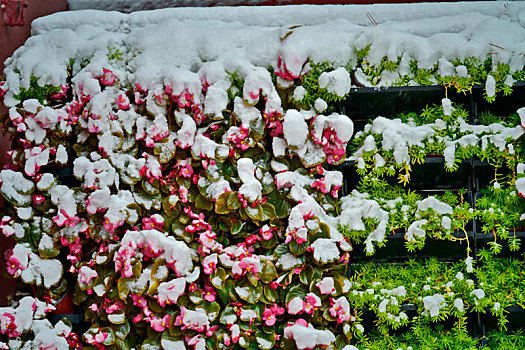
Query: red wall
10	39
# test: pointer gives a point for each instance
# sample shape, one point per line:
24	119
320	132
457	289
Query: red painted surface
10	39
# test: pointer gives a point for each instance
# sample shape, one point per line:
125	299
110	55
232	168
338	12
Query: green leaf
306	274
257	129
196	296
111	336
121	344
218	278
212	309
299	290
159	271
249	293
228	316
254	213
224	293
221	205
268	212
150	344
236	227
117	317
225	223
280	250
171	210
151	188
165	149
122	330
327	316
270	294
265	340
234	202
168	341
282	207
325	231
253	279
202	203
268	272
123	289
298	249
133	207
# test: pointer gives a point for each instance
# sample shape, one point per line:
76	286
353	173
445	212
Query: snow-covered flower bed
201	207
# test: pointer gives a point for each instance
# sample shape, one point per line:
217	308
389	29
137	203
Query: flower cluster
179	225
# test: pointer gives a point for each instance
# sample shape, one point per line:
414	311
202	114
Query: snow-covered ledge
158	44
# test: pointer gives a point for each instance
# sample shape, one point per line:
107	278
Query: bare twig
371	18
504	49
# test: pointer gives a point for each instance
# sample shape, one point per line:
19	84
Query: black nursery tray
483	241
369	102
394	249
428	178
515	315
504	105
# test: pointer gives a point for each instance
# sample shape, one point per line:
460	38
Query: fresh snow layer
243	39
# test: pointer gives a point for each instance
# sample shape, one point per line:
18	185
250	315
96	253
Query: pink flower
326	285
320	186
108	78
207	240
209	293
112	226
269	315
7	230
94	307
3	88
282	71
8	325
340	310
116	306
139	300
86	275
313	302
137	318
250	264
266	232
122	102
155	222
100	337
209	263
61	94
336	155
198	225
160	324
13	266
38	199
186	170
63	219
197	341
183	194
